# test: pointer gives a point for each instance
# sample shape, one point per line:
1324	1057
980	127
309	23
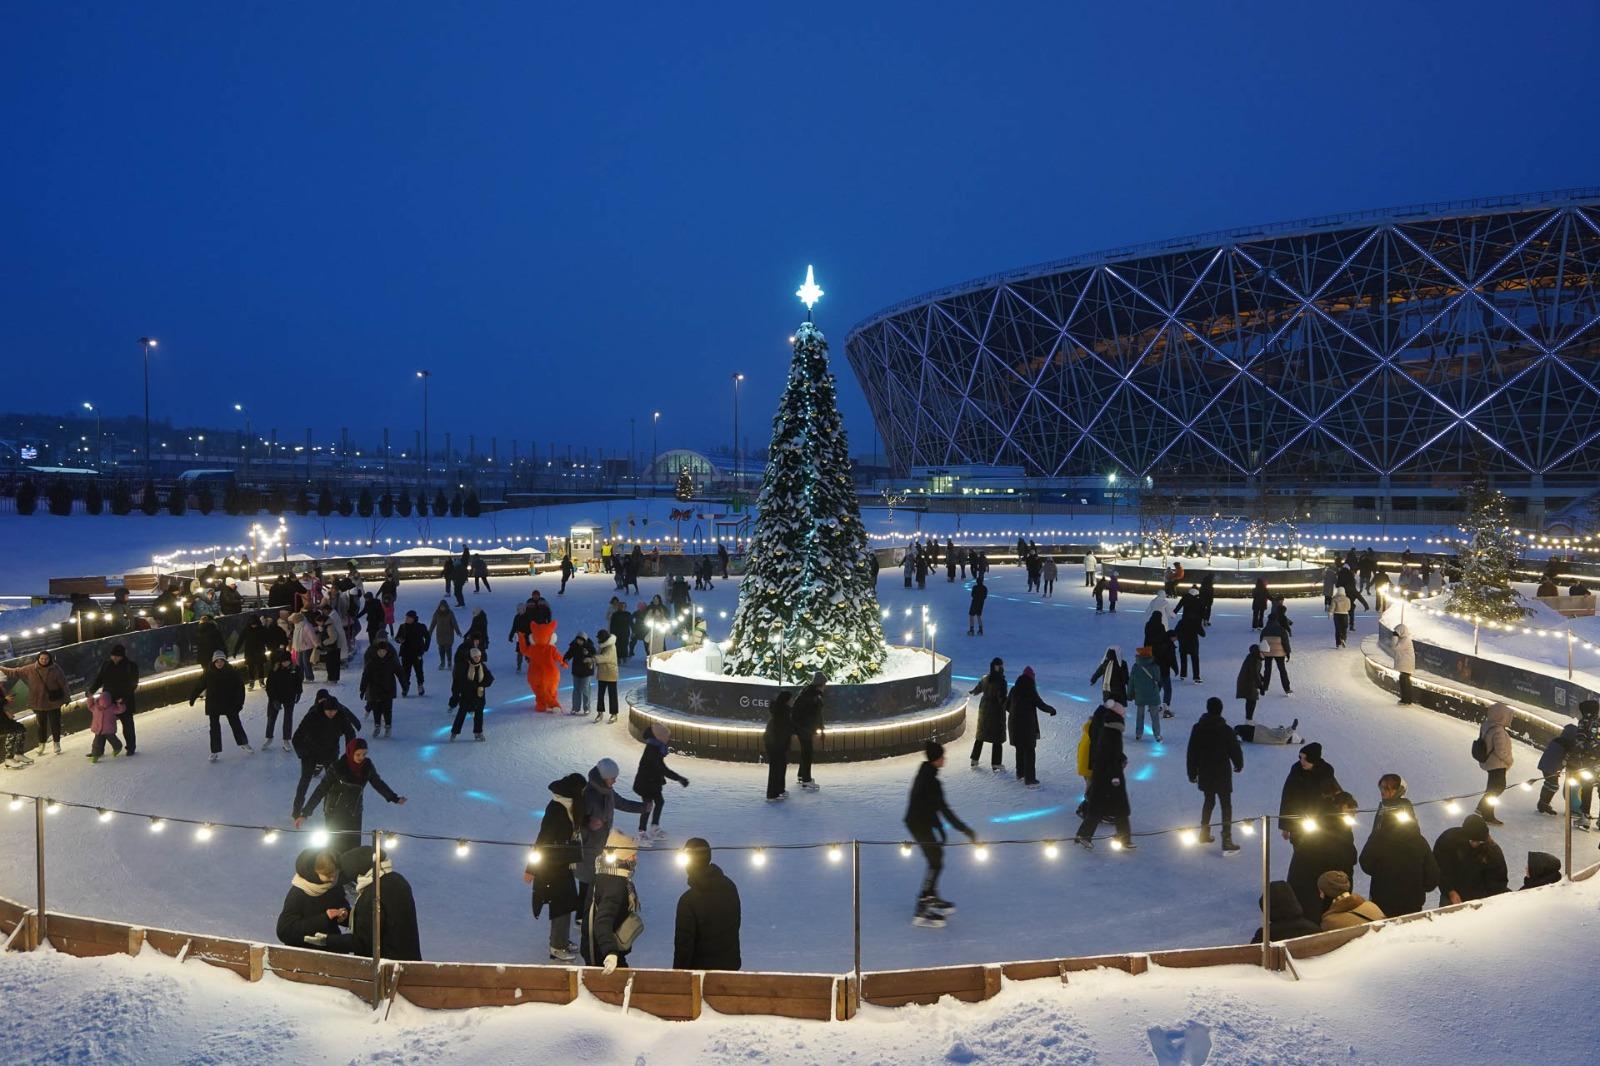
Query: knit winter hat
1333	884
219	656
660	731
117	649
1213	705
475	654
607	768
1027	672
1476	827
933	750
1312	751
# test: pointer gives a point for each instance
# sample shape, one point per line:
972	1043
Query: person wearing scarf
344	787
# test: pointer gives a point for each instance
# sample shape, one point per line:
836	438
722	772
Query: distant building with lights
1380	359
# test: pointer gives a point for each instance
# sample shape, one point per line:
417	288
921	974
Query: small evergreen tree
94	500
275	501
1488	560
441	506
364	502
177	500
685	487
386	504
325	502
346	508
233	500
27	498
204	500
149	502
471	506
404	504
455	505
302	502
61	498
121	499
422	503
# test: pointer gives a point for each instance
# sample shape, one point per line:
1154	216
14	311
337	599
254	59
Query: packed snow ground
1018	904
1476	986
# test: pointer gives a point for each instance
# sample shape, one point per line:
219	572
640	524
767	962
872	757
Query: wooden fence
673	995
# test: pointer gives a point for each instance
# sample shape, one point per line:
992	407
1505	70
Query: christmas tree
1488	558
685	487
807	602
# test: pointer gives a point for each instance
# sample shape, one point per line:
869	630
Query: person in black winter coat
1543	869
1112	673
1306	791
1288	920
1330	846
223	689
1213	757
621	623
119	677
312	911
400	940
808	725
252	644
991	714
1108	787
208	639
1208	595
1190	628
284	686
1159	640
612	898
1022	721
551	876
775	739
380	684
1398	859
469	692
651	777
412	641
927	812
706	935
344	787
323	730
980	593
377	622
1471	864
1247	686
1259	601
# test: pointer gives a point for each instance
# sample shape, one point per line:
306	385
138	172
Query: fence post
1569	796
1266	892
39	861
377	918
1569	653
1474	638
855	910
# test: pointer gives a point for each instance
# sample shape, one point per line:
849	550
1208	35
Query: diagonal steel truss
1410	344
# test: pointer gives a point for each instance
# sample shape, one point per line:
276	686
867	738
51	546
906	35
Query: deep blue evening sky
577	213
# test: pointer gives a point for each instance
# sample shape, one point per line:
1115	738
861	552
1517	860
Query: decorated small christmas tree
685	487
807	602
1488	559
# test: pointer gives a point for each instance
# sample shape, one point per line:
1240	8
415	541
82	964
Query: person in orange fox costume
544	664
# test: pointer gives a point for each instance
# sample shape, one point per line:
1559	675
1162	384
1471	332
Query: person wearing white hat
223	689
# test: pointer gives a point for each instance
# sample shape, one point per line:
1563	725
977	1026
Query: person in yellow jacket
1083	759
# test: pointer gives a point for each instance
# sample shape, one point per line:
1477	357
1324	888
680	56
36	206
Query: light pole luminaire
146	343
97	438
249	441
425	375
738	479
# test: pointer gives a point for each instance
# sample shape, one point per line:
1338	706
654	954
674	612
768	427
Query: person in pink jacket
103	711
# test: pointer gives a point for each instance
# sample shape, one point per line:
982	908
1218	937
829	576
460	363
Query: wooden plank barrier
455	985
13	914
670	994
896	988
353	973
810	996
240	956
1232	955
88	937
1035	969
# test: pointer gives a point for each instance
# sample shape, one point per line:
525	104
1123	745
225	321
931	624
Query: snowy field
1522	644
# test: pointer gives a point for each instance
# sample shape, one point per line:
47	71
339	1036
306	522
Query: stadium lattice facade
1409	347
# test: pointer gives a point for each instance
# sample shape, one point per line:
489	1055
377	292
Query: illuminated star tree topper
809	293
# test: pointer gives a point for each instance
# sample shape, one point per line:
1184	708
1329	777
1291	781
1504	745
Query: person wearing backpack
1492	750
580	656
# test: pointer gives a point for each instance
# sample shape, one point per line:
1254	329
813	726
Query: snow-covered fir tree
1488	558
684	490
807	602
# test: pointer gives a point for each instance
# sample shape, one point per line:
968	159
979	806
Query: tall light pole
633	453
147	343
655	420
425	375
87	406
249	439
738	475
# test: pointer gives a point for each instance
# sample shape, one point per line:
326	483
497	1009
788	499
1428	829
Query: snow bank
899	664
1521	644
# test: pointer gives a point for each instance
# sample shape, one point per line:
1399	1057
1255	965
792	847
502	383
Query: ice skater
926	816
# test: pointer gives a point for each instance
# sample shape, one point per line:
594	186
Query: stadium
1381	359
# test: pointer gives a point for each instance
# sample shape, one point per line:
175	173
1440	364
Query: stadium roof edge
1580	195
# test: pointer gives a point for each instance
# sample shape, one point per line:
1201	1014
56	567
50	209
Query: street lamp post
633	452
425	375
249	440
146	343
97	438
655	421
738	475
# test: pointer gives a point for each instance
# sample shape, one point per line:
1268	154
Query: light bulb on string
758	857
319	838
106	816
203	833
835	853
157	825
269	836
905	851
